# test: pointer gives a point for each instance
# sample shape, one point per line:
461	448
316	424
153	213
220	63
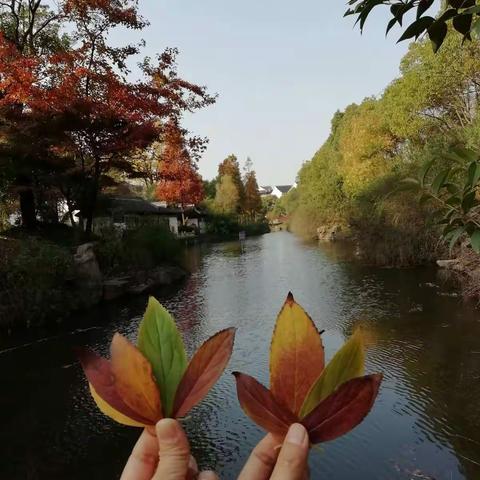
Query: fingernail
167	430
296	434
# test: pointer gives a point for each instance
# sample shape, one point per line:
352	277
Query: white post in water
242	235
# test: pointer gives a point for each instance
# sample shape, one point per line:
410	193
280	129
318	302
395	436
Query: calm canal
426	421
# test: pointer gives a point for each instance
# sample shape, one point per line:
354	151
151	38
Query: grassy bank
40	281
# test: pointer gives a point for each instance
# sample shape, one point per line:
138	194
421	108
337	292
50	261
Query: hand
268	462
163	454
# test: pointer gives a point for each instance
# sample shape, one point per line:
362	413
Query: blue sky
281	70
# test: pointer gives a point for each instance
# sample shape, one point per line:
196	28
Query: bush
227	226
143	248
33	278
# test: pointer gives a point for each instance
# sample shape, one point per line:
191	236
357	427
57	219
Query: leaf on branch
416	28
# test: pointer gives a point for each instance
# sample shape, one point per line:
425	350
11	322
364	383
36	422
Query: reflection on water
425	424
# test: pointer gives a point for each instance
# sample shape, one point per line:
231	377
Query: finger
174	451
208	475
292	459
192	469
260	464
143	460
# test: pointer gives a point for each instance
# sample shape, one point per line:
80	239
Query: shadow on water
425	424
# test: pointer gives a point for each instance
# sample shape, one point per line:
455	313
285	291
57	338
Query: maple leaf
142	384
328	401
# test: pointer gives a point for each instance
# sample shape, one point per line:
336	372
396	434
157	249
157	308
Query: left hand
163	454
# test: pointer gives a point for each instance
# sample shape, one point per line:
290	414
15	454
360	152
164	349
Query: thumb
174	451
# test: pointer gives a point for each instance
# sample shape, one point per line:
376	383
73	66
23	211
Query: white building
277	190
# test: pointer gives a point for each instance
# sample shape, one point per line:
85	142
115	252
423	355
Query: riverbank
46	275
460	266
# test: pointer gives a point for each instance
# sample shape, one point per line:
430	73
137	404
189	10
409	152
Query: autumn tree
178	180
230	167
227	197
252	203
101	116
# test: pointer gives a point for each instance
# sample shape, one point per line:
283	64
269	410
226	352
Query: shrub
143	248
33	278
228	226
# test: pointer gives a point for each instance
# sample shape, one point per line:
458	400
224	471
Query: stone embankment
93	288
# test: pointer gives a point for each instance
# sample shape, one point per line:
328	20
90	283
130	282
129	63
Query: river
424	425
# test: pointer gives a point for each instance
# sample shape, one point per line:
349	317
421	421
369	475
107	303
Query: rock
330	233
141	282
450	264
88	278
164	275
115	287
86	263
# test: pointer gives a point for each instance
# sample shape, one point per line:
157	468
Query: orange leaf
134	380
203	371
99	373
260	405
108	410
342	410
296	355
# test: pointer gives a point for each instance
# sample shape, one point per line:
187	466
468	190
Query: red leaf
99	373
203	371
260	405
343	410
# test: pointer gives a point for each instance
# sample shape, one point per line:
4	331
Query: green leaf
462	23
416	28
437	33
424	172
452	188
160	341
464	153
408	184
424	199
453	200
473	173
468	201
455	235
475	240
346	364
423	6
439	180
390	25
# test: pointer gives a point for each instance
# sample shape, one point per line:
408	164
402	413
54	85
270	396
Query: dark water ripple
425	423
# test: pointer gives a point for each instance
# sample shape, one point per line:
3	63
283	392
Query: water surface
425	423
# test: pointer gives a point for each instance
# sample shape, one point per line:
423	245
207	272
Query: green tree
230	167
227	197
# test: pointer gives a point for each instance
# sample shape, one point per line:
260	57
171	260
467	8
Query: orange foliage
179	181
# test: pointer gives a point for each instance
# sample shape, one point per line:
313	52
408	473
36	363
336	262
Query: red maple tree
97	116
179	182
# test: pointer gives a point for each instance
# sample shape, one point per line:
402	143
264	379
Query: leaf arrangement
142	384
328	400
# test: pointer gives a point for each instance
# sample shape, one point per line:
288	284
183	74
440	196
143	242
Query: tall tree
178	180
230	167
227	197
252	203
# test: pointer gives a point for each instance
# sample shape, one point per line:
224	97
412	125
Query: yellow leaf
296	355
108	410
347	363
134	380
